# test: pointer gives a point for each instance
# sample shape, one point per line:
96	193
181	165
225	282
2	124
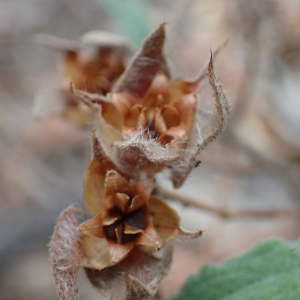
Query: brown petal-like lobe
105	132
122	200
142	120
180	87
93	185
159	122
134	116
145	64
129	229
118	252
144	188
96	253
115	183
93	226
167	222
94	177
187	108
165	219
149	237
171	116
137	202
123	102
158	93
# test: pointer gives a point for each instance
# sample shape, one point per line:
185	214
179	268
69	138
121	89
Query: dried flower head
97	64
150	121
123	222
92	64
125	215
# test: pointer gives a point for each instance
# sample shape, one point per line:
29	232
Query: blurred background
254	165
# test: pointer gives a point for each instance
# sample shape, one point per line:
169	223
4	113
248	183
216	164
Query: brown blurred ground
255	164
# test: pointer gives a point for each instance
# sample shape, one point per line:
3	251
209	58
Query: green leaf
268	272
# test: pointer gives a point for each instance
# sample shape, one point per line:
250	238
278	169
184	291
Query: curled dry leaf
66	253
92	64
212	124
137	277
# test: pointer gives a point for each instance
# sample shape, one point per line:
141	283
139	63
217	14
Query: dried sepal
202	135
66	253
96	253
144	65
138	276
219	121
94	177
166	221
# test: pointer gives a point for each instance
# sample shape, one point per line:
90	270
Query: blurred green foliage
130	18
268	272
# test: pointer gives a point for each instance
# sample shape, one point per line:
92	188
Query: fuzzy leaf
268	272
66	253
137	277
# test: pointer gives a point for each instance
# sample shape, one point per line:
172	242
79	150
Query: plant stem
225	212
